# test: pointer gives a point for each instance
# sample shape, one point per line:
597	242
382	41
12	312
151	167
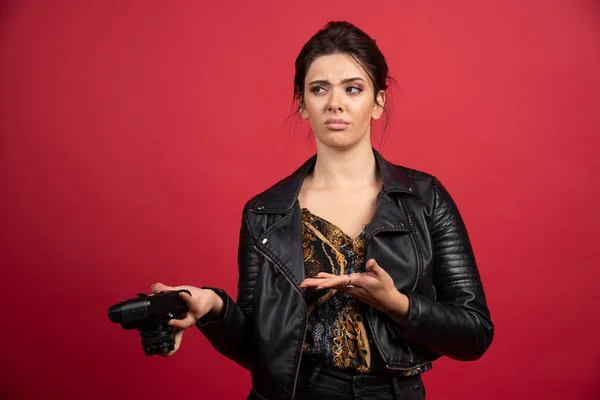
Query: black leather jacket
416	234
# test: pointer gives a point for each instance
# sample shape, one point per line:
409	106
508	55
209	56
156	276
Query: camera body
150	315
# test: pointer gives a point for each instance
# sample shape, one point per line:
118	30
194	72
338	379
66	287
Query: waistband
309	367
349	382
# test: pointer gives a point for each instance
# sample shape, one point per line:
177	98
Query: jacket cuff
210	319
414	311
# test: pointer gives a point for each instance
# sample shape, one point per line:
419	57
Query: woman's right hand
200	303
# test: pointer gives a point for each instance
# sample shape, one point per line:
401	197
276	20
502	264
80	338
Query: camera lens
158	341
114	313
130	311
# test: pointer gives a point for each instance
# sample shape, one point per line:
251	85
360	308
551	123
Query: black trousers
327	383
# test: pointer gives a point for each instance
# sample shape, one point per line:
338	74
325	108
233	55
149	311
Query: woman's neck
344	169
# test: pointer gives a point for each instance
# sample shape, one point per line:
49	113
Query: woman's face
338	101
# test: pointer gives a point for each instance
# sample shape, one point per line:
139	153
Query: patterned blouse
337	333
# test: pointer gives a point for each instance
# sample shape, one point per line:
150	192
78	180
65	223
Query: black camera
150	315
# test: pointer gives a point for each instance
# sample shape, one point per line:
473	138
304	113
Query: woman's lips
336	124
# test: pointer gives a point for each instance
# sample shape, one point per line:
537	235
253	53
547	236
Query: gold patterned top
337	334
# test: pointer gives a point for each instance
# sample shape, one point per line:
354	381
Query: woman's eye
354	89
317	89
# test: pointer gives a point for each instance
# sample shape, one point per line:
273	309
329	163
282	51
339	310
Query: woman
355	273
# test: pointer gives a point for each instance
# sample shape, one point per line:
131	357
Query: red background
132	133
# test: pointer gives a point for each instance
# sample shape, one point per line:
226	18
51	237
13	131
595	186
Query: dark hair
340	37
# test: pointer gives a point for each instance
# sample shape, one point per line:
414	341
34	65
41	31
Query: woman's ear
303	112
378	106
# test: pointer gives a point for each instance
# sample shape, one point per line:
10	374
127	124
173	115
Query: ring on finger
349	284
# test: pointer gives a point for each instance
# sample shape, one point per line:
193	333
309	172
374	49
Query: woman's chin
339	140
340	143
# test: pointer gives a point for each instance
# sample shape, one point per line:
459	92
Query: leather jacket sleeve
230	333
457	323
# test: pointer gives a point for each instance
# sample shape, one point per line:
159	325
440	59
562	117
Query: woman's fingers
334	281
325	275
159	287
372	266
184	323
374	276
312	282
194	312
189	301
338	281
178	337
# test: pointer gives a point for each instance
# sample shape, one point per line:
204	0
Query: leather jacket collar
283	195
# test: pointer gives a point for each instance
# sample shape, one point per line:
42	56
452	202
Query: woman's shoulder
422	183
281	195
415	175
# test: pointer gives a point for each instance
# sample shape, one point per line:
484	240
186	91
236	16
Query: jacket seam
428	218
420	261
252	243
387	197
460	281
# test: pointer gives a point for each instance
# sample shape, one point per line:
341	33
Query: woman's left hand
374	287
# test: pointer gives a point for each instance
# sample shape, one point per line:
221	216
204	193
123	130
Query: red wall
132	133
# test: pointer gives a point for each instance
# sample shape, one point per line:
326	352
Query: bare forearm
218	305
398	307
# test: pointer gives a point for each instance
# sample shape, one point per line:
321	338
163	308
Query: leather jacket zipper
278	268
419	266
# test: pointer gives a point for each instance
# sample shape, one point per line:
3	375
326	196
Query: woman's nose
335	103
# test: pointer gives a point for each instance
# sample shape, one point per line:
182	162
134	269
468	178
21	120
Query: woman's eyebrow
326	82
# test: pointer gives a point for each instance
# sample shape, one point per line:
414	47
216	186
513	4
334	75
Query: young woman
355	274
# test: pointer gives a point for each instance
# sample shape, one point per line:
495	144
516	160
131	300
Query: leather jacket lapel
281	236
280	242
387	217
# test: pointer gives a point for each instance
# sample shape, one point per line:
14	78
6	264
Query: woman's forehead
335	68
